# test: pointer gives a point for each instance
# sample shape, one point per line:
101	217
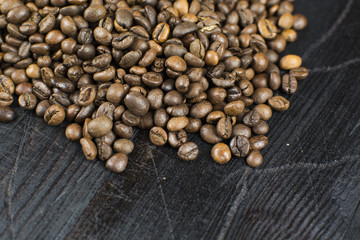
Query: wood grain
307	188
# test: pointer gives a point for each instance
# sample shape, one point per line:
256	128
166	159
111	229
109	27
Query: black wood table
307	188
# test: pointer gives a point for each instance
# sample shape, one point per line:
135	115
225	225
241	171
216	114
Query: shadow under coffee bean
172	67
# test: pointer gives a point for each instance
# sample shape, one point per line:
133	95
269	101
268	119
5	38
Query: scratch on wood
336	67
151	156
235	205
356	126
352	219
11	184
331	30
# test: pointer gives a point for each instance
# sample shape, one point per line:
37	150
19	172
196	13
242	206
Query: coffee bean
300	22
240	146
267	29
176	139
73	132
27	101
122	130
6	114
100	126
261	95
289	84
42	107
177	123
6	84
136	103
89	148
188	151
289	62
158	136
130	59
261	128
234	108
279	103
299	73
6	99
193	126
176	63
54	115
209	134
254	159
251	118
104	151
224	127
201	109
241	130
123	146
221	153
117	163
184	28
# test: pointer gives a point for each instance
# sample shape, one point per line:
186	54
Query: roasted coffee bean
87	95
27	101
104	151
241	130
7	114
224	127
289	62
267	29
6	84
221	153
254	159
177	123
234	108
161	32
54	115
264	111
289	84
117	163
100	126
188	151
215	116
193	126
137	103
123	131
209	134
178	110
201	109
73	132
152	79
6	99
123	146
261	95
158	136
299	73
176	139
240	146
261	128
89	148
184	28
279	103
300	22
251	118
42	107
130	59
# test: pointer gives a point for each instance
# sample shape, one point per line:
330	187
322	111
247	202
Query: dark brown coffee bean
261	128
221	153
27	101
209	134
289	84
100	126
105	109
251	118
6	99
188	151
42	107
161	32
73	132
123	146
124	19
176	139
234	108
261	95
152	79
123	131
176	63
193	126
136	103
130	119
184	28
240	146
178	110
224	127
254	159
214	117
241	130
6	114
158	136
260	62
117	163
54	115
201	109
300	22
216	95
182	84
130	59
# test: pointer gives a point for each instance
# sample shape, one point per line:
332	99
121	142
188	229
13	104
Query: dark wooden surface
307	188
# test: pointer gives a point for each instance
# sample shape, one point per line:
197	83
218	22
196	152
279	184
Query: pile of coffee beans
172	67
